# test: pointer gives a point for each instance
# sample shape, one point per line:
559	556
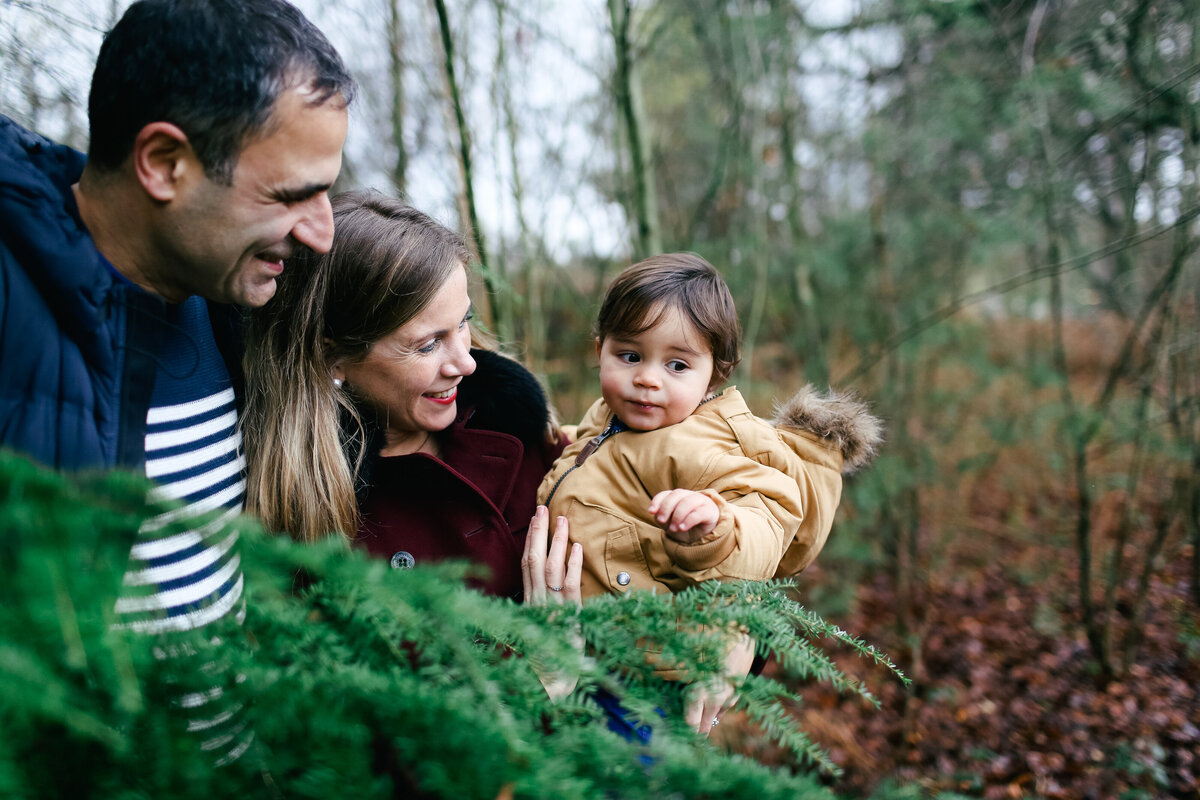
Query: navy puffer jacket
76	339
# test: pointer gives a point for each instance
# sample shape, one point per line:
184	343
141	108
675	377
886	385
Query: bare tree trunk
470	219
33	97
816	361
1182	390
395	35
1183	414
1192	512
528	266
760	250
648	238
1193	526
902	515
760	257
534	334
730	139
1075	440
506	298
1095	627
1137	616
1157	346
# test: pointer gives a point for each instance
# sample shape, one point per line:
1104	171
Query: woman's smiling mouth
445	398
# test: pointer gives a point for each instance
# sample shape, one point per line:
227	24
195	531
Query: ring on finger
555	588
715	721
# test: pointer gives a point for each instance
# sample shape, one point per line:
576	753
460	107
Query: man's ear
161	156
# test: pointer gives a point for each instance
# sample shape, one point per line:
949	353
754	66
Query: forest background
979	214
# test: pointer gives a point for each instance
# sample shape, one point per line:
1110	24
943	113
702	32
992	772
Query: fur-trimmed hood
837	416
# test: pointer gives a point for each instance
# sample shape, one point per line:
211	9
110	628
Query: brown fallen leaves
1010	705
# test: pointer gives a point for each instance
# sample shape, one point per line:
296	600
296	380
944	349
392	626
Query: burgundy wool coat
475	502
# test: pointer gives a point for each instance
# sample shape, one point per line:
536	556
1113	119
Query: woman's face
410	377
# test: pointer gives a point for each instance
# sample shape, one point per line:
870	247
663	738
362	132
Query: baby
669	482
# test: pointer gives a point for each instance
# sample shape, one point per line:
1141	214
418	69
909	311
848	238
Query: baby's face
658	377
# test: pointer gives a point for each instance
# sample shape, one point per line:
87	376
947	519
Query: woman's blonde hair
304	437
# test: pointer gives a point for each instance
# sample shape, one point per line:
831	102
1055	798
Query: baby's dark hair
638	297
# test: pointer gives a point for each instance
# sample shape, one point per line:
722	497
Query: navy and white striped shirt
183	576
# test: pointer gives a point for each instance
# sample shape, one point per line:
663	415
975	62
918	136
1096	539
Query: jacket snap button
623	578
403	560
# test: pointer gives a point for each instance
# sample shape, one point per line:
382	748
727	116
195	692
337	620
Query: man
216	132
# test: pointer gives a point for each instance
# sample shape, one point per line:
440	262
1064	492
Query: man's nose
315	229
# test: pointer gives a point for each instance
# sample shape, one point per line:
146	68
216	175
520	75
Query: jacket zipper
614	426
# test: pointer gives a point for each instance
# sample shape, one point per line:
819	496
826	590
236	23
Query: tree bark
816	361
470	220
647	238
533	336
395	34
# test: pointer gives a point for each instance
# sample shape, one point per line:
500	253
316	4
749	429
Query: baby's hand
684	515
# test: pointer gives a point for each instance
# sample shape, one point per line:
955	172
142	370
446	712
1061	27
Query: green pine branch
359	680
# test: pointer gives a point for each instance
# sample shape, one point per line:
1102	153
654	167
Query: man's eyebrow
301	193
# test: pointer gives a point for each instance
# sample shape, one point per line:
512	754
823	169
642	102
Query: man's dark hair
212	67
638	298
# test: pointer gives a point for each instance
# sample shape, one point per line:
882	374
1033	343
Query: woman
370	414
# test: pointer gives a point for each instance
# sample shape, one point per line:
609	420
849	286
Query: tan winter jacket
776	483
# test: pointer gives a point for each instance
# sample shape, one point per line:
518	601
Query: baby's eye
677	365
629	358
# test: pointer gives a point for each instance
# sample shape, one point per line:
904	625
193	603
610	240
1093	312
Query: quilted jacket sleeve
767	514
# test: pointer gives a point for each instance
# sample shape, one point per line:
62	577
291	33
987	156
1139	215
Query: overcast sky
556	66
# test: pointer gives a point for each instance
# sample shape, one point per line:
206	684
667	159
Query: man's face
229	242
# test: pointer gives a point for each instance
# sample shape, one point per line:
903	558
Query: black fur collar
501	395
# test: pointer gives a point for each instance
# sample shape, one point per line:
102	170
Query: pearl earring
337	382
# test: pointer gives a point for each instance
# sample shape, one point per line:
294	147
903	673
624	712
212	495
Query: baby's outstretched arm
685	516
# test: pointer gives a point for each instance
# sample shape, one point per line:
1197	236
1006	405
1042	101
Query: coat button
403	560
623	578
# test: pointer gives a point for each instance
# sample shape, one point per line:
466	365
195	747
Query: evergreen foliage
361	680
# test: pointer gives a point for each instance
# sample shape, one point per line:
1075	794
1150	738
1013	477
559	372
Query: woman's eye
676	366
470	316
429	348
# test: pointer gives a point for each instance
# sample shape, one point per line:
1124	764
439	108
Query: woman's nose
460	361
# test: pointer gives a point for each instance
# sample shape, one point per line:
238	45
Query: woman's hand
707	702
552	578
